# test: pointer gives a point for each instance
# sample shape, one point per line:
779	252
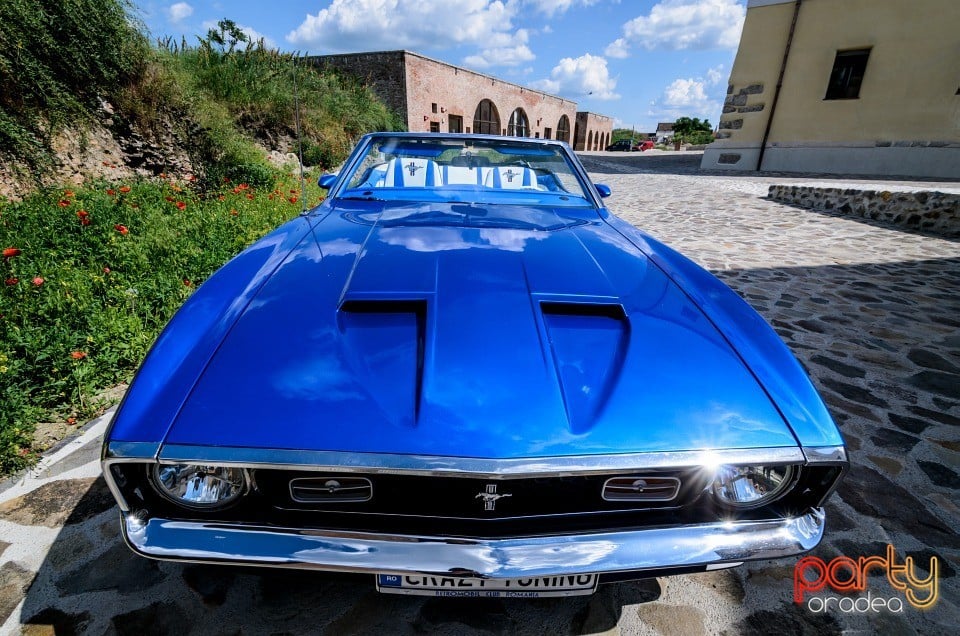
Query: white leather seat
412	173
511	178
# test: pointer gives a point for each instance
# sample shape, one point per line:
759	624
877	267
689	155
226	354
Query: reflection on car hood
480	341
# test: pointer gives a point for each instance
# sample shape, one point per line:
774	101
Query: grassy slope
90	275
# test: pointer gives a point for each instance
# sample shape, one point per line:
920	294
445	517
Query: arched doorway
519	125
486	119
589	140
563	129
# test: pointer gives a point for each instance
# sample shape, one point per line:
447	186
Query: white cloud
580	77
250	32
619	49
549	7
179	11
512	55
502	56
687	24
684	93
688	97
715	75
364	25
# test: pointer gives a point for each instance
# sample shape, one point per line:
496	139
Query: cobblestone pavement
873	312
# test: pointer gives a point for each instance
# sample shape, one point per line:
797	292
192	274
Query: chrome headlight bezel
237	481
765	483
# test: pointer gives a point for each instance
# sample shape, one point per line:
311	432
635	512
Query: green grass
90	275
99	271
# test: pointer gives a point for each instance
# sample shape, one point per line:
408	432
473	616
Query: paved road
873	313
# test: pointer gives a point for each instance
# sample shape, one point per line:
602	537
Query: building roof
665	126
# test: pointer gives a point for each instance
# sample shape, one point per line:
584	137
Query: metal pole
776	94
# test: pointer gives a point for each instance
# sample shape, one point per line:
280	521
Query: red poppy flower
10	252
124	189
106	270
84	221
250	195
68	193
71	421
226	179
181	205
78	355
11	281
111	192
82	214
186	281
292	199
63	203
163	175
169	198
221	198
233	212
121	228
191	178
37	281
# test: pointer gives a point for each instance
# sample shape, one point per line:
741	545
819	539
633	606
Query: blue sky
639	61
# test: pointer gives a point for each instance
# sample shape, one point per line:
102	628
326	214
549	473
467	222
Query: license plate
534	587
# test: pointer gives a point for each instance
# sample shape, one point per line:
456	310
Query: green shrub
92	275
57	59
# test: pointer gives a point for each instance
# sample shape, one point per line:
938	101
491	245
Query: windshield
472	170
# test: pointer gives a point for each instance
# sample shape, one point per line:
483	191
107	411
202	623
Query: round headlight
751	486
196	486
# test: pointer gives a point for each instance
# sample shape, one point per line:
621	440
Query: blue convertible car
463	374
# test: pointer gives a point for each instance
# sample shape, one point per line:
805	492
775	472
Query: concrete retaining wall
934	212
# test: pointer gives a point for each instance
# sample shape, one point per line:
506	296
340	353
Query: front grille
330	489
476	498
645	488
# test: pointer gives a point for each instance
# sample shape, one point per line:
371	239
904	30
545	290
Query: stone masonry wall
437	90
927	211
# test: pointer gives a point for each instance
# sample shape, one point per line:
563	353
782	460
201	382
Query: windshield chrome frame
363	146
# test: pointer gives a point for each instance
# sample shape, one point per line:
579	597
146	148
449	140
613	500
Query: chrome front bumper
705	545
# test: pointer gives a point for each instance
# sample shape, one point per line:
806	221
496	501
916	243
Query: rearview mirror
326	180
603	190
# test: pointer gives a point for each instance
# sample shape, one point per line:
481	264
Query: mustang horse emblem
490	497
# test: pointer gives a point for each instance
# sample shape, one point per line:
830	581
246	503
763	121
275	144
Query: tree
692	131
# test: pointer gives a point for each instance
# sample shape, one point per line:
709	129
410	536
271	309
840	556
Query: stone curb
924	210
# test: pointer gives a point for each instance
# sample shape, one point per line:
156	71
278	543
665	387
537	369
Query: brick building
435	96
592	131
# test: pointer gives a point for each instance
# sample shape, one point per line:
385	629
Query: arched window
589	140
486	120
519	125
563	129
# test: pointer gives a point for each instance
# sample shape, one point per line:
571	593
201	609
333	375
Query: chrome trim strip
124	453
512	468
619	551
137	450
825	454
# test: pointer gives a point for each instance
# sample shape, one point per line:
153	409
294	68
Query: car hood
474	337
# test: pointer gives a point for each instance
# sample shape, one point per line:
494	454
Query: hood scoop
383	342
589	343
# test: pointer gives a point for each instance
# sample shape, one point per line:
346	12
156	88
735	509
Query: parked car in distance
646	144
620	145
462	375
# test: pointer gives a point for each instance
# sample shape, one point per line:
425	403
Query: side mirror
603	190
326	180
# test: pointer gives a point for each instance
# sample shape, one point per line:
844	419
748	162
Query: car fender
761	349
186	344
